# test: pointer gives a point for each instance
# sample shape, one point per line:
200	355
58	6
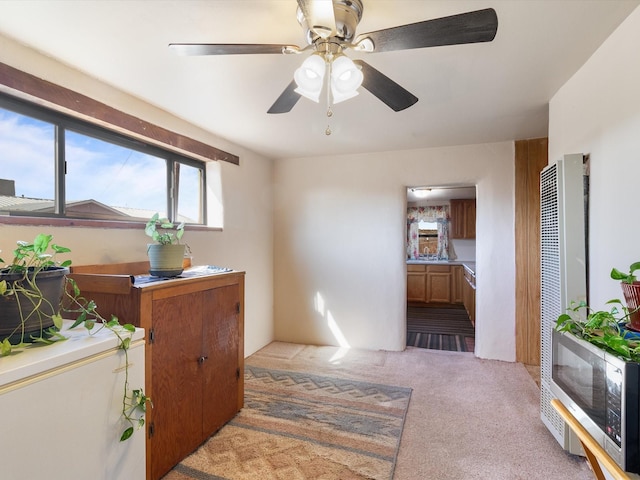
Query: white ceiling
477	93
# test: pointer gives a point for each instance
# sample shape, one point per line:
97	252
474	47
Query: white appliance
61	410
563	270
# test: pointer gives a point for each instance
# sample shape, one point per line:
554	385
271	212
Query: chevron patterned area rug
303	426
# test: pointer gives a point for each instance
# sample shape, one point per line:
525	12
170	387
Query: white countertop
468	264
37	359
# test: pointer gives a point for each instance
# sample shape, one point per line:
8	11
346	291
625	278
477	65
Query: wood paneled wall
531	156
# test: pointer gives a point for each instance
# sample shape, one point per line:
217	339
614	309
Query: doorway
440	257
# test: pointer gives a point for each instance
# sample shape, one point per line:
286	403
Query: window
54	165
27	146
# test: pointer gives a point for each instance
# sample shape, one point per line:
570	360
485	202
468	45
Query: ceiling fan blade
396	97
319	16
228	48
470	27
287	99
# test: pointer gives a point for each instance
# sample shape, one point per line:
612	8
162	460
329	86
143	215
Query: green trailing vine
29	260
603	328
607	329
134	404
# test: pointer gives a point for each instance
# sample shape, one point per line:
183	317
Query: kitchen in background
441	248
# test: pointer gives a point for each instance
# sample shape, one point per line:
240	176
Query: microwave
602	392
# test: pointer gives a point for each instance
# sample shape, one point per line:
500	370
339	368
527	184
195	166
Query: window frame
63	122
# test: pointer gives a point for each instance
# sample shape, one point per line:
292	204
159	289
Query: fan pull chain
327	132
329	115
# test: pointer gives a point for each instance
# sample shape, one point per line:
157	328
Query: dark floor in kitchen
439	327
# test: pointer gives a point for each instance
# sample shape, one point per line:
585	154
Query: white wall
245	244
465	249
598	112
340	270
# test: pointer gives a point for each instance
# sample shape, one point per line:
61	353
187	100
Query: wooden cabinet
416	283
457	277
469	294
438	284
194	354
195	350
434	283
463	218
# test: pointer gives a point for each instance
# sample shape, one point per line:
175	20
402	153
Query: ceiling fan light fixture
346	78
310	77
338	96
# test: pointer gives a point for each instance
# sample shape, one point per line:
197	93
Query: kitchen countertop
468	264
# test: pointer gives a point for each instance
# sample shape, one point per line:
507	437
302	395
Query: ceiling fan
330	30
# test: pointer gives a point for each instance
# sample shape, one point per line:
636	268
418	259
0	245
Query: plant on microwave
603	328
626	277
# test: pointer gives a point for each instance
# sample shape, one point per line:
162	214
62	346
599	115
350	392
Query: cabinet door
176	380
470	219
457	277
416	286
463	218
220	367
438	284
439	288
457	219
469	297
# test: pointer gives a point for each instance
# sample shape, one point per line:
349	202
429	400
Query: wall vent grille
562	267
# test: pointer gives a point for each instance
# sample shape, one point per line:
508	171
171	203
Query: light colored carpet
468	418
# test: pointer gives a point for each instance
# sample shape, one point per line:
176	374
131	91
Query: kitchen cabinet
194	352
463	218
457	277
469	294
438	284
441	283
434	283
416	283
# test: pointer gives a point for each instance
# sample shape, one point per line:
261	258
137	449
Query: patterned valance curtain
427	214
438	214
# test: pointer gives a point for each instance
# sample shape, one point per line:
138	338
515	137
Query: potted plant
167	254
35	291
31	288
631	291
603	328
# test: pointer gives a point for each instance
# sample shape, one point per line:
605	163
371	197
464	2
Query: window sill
82	222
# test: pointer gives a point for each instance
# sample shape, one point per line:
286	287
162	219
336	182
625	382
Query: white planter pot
165	260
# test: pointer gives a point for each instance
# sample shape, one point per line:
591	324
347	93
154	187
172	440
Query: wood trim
531	156
115	269
596	455
106	116
115	284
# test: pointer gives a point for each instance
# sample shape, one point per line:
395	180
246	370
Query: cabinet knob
202	359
